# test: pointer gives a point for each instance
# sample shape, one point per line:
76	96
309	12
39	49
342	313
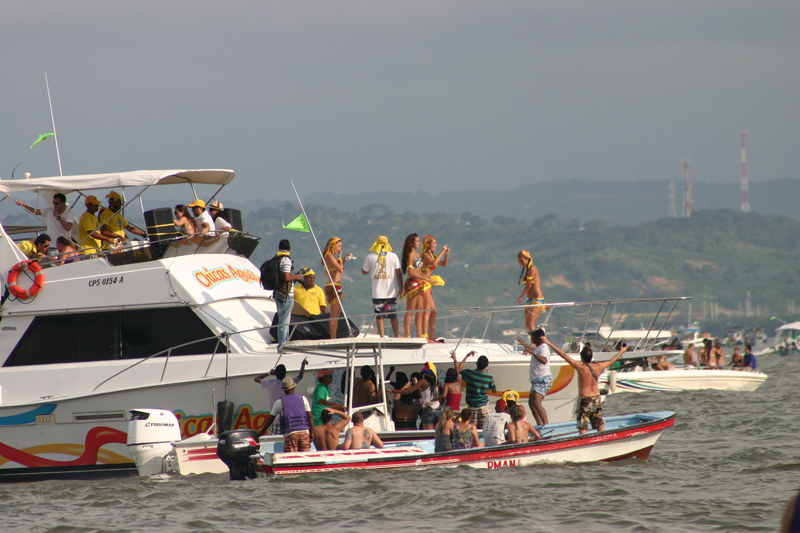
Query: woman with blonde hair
532	290
333	262
429	263
416	285
443	441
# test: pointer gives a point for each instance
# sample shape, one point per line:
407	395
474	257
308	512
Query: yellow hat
91	200
114	195
197	203
382	244
309	272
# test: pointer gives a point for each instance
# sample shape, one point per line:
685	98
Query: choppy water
729	464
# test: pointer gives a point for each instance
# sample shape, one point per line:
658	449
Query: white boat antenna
338	298
53	120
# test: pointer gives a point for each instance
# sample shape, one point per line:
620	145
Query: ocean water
730	463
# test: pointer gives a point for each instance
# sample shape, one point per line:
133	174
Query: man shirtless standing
326	436
590	408
532	291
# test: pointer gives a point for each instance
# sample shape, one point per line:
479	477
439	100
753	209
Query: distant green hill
714	256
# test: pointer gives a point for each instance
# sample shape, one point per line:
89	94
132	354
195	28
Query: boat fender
612	381
38	279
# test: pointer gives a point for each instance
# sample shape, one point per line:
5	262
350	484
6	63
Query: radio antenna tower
672	212
687	190
745	187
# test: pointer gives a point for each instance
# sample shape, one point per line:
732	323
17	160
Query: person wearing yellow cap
112	223
383	268
203	218
309	298
533	290
333	262
90	238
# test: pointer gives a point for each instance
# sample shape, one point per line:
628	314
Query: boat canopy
790	325
138	178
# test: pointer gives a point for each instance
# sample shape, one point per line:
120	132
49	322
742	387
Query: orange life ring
38	279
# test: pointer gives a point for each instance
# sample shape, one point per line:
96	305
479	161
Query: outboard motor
235	448
150	434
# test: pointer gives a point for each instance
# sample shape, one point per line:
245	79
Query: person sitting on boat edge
326	435
749	359
662	364
465	434
519	430
322	396
184	220
539	375
590	408
67	251
478	382
60	218
443	440
360	438
494	426
309	298
112	223
221	226
295	418
273	386
36	249
203	218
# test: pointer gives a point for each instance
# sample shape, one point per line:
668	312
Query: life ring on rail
38	279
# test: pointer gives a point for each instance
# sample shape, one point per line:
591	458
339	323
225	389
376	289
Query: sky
402	96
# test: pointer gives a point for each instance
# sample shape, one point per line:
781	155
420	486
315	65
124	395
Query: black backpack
271	278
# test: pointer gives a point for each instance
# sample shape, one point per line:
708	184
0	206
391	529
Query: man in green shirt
478	382
322	396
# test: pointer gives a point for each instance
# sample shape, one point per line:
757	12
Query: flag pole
344	313
53	120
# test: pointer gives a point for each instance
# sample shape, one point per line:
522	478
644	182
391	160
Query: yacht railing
647	343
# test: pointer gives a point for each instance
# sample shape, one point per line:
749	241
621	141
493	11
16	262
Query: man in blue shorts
539	374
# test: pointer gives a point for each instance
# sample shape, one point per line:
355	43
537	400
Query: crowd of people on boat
101	229
711	355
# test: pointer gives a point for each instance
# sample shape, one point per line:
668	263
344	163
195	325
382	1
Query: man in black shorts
383	267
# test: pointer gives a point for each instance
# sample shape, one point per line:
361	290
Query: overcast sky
361	96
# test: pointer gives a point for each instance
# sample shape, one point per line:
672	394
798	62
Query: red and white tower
687	189
745	187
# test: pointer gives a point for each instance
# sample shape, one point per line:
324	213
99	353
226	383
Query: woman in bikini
184	220
518	429
718	354
532	290
429	263
334	266
416	285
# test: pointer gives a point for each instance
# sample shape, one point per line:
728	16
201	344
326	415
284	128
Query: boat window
85	337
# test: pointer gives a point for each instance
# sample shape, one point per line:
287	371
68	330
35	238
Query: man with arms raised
478	381
326	436
590	408
60	218
273	386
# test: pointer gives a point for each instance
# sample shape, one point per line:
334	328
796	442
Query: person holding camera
591	406
309	298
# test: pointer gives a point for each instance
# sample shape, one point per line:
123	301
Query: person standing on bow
534	304
429	263
590	408
333	262
417	284
383	268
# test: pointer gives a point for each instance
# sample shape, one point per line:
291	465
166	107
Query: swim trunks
385	307
590	410
542	384
478	415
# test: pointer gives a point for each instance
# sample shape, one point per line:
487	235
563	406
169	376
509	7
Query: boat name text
209	278
105	281
505	463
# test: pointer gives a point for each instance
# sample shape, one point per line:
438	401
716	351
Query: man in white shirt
221	226
383	266
204	221
539	374
494	425
60	219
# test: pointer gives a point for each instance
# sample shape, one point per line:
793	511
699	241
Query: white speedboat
680	379
785	335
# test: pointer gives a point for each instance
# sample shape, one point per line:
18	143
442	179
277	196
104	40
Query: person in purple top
749	358
294	414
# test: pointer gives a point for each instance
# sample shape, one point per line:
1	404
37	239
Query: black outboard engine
235	448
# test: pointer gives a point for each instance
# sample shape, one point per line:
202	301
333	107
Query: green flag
298	224
42	137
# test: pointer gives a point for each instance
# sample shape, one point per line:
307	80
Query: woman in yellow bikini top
430	261
532	290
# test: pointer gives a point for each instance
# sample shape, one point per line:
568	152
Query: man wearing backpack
284	291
